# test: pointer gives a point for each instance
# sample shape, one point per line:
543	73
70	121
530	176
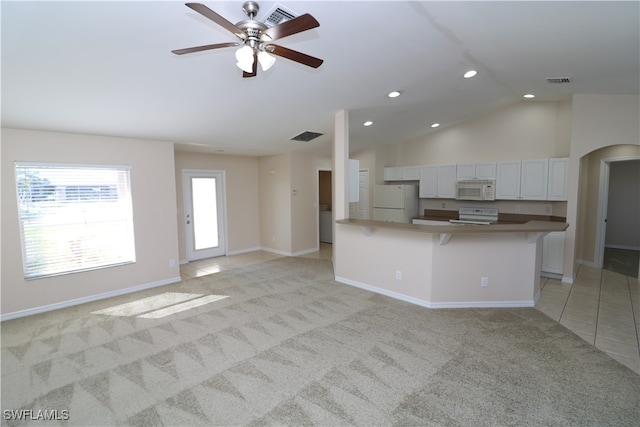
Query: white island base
460	266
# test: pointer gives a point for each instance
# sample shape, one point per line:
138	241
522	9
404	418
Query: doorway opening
619	234
325	221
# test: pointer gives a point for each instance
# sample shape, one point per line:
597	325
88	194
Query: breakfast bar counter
534	229
444	265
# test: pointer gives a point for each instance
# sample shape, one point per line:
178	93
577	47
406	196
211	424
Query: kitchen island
455	265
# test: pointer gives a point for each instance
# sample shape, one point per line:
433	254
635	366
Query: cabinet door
411	173
553	252
393	173
533	180
465	171
558	173
428	181
447	181
508	180
486	170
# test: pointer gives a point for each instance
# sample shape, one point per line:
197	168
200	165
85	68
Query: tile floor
601	306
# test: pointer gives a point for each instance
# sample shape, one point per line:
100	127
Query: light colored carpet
281	343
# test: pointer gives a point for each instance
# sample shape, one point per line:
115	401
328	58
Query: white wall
154	198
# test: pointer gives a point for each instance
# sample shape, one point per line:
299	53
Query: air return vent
558	80
306	136
278	15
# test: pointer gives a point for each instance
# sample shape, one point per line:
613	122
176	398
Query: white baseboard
244	251
83	300
429	304
285	253
568	280
587	263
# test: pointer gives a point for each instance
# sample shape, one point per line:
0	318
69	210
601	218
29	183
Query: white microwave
477	189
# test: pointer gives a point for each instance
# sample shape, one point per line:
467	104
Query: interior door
204	213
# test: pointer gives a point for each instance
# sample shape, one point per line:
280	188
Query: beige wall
590	194
154	197
274	177
242	201
288	221
524	130
597	121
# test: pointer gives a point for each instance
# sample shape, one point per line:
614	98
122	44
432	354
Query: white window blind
74	217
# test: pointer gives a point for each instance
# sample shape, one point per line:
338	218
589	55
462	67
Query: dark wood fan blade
205	47
208	13
296	25
294	55
255	67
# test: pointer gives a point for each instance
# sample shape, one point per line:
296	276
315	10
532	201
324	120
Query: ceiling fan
254	37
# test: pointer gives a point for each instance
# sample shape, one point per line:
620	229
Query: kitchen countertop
503	218
507	227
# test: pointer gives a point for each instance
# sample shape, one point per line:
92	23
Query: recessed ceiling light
470	74
394	94
435	125
529	96
368	123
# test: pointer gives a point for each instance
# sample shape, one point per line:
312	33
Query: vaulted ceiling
107	68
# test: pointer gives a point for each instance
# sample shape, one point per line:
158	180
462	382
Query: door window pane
205	213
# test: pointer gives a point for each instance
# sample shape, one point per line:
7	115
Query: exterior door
204	213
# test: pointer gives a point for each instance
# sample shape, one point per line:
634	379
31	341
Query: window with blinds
74	217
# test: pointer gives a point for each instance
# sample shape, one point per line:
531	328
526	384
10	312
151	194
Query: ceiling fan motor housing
251	8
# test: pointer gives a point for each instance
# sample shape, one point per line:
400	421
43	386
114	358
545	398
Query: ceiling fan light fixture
244	55
266	60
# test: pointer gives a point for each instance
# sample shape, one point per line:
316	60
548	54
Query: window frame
117	217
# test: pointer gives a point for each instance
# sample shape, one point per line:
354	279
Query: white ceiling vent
306	136
558	80
277	15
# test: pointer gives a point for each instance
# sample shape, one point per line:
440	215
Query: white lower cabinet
553	252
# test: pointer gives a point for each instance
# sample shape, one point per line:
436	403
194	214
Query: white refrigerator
395	203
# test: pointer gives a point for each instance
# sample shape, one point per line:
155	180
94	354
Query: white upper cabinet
508	180
533	179
558	174
438	181
428	181
394	173
402	173
411	173
486	170
466	171
447	181
522	180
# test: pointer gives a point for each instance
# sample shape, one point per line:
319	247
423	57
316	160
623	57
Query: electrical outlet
443	205
172	263
398	275
518	209
484	282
